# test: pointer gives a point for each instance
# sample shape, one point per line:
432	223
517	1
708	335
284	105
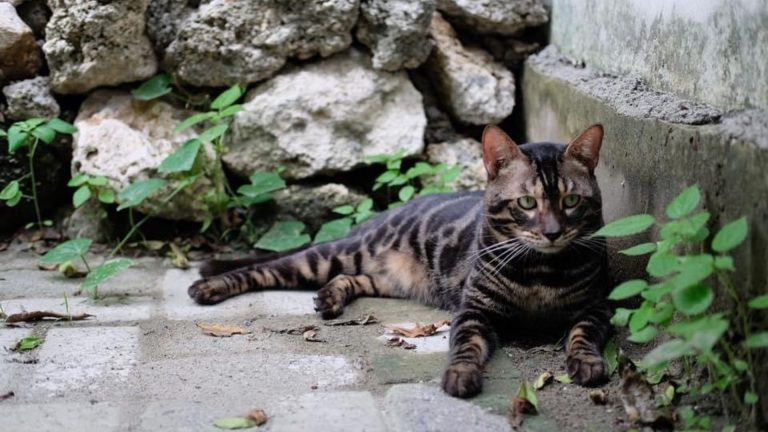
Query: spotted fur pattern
502	266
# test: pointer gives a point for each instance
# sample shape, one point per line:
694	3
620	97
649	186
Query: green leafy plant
352	215
28	343
153	88
421	179
684	279
283	236
28	134
87	187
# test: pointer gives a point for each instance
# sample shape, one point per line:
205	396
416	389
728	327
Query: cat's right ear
498	150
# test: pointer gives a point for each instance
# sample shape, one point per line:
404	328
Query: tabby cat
515	259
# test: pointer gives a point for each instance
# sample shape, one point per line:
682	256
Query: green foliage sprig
28	134
678	296
421	179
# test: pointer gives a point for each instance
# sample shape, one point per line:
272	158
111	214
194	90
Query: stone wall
329	83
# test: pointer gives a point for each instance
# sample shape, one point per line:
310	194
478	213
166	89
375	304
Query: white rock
505	17
326	117
223	42
314	205
396	31
468	154
30	98
19	55
93	43
475	89
126	140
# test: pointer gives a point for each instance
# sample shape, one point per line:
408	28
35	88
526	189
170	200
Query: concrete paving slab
178	305
85	363
247	376
106	310
331	411
13	365
59	417
24	279
426	408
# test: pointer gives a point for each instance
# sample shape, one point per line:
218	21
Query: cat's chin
551	249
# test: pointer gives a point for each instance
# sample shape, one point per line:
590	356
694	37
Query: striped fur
502	268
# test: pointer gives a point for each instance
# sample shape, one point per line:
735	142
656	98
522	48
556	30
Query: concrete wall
655	145
714	51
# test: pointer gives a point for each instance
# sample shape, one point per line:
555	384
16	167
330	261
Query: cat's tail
216	267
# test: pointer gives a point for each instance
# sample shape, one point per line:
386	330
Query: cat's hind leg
342	289
215	289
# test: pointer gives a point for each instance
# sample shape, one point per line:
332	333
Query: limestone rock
92	43
125	140
88	221
19	54
468	154
326	117
475	89
30	98
396	31
505	17
222	42
313	205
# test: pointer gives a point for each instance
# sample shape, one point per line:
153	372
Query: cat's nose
553	235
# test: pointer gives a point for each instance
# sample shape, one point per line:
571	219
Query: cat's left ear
586	148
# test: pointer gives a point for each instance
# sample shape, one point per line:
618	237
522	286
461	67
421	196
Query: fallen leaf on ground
542	380
3	246
70	271
598	397
41	315
47	267
8	395
293	331
178	257
365	320
638	398
232	423
420	330
254	418
27	344
611	356
564	378
397	342
525	402
257	415
311	336
221	330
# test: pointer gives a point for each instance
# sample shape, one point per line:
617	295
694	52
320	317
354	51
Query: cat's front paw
463	380
587	369
330	302
209	291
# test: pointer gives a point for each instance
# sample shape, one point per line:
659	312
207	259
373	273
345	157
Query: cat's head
544	194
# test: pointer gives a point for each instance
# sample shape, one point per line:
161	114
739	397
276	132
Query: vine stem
34	183
744	324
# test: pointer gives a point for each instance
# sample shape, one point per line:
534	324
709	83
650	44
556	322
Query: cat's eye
571	201
527	202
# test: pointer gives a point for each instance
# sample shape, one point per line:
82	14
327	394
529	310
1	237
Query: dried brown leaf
41	315
397	342
542	380
420	330
70	271
178	258
365	320
221	330
525	402
258	416
638	398
8	395
311	336
294	331
47	267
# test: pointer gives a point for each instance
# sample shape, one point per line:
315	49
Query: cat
515	258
